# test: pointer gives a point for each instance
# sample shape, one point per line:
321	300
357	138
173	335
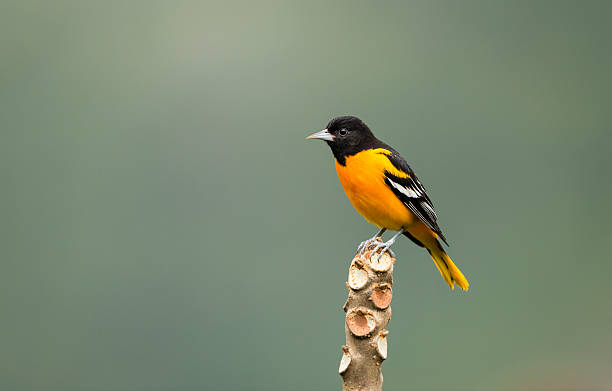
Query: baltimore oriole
386	191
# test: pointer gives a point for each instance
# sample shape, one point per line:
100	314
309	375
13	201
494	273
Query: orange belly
363	181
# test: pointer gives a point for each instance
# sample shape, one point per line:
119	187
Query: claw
383	247
380	245
363	246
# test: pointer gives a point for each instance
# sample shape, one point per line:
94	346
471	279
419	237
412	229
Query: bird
385	190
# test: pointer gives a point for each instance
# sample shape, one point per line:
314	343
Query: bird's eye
342	132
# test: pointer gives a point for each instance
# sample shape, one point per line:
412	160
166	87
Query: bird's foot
363	246
383	247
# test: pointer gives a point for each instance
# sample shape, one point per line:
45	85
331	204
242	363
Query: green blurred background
165	226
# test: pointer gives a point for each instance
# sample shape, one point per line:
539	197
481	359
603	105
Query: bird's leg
386	245
366	243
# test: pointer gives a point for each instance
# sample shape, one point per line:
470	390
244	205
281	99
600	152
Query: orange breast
363	181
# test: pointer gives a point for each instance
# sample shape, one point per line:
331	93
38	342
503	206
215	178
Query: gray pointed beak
322	135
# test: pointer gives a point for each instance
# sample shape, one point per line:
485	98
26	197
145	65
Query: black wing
412	193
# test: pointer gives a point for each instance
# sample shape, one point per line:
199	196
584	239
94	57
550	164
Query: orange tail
447	268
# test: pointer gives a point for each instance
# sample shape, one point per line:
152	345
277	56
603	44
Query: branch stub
380	263
361	321
345	361
381	296
381	344
358	276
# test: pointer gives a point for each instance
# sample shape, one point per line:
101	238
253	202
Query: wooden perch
367	315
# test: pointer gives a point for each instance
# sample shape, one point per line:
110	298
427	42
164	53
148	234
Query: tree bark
367	315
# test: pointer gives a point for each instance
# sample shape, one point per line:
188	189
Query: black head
346	135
